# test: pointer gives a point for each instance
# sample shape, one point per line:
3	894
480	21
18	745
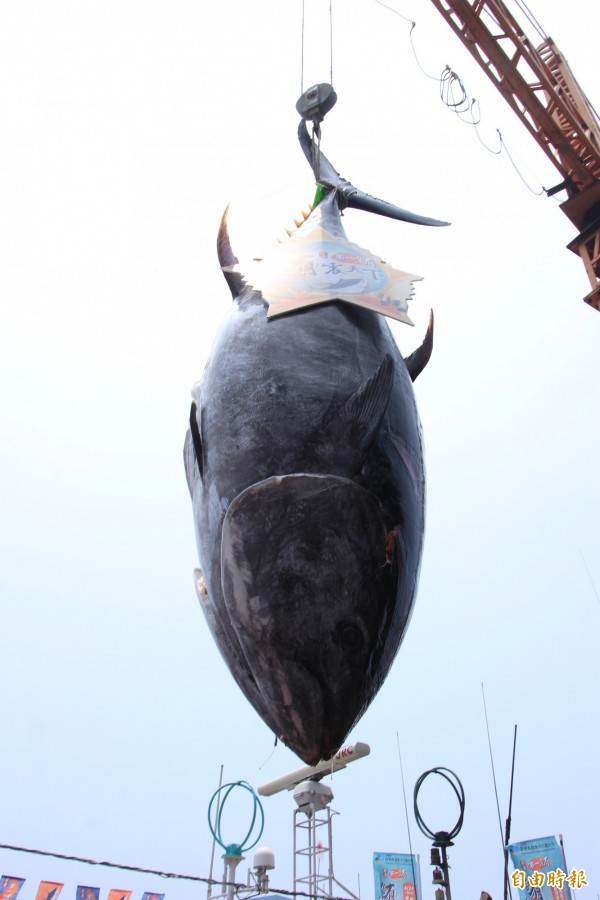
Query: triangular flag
48	890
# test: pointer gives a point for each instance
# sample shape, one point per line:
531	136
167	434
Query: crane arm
541	89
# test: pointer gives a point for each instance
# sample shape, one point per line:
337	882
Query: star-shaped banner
317	266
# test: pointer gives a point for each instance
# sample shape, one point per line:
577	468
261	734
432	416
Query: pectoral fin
355	426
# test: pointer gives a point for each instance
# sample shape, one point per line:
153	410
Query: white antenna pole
212	854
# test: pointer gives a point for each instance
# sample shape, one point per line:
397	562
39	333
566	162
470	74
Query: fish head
307	583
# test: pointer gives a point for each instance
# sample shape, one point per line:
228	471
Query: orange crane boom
541	89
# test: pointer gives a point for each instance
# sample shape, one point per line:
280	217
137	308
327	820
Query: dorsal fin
416	362
355	426
227	258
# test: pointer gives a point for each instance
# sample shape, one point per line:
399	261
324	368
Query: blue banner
540	869
10	887
396	876
87	893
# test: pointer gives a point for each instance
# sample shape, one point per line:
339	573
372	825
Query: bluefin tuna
304	460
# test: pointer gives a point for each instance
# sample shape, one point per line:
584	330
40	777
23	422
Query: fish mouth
307	587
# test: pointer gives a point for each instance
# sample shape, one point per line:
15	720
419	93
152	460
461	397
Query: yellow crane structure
541	89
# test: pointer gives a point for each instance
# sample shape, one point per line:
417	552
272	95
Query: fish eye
350	635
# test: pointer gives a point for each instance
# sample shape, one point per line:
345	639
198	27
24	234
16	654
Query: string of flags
50	890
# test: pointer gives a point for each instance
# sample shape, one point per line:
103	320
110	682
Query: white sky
125	128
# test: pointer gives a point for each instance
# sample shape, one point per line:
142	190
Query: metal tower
313	841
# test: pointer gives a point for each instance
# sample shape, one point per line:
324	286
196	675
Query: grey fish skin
304	461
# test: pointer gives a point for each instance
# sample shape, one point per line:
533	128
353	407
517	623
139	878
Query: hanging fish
304	461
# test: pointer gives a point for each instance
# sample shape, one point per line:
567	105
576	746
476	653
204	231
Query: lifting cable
454	96
532	20
303	33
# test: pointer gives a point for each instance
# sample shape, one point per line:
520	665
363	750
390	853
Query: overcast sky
125	129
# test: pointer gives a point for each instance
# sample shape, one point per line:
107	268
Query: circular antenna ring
441	838
238	848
